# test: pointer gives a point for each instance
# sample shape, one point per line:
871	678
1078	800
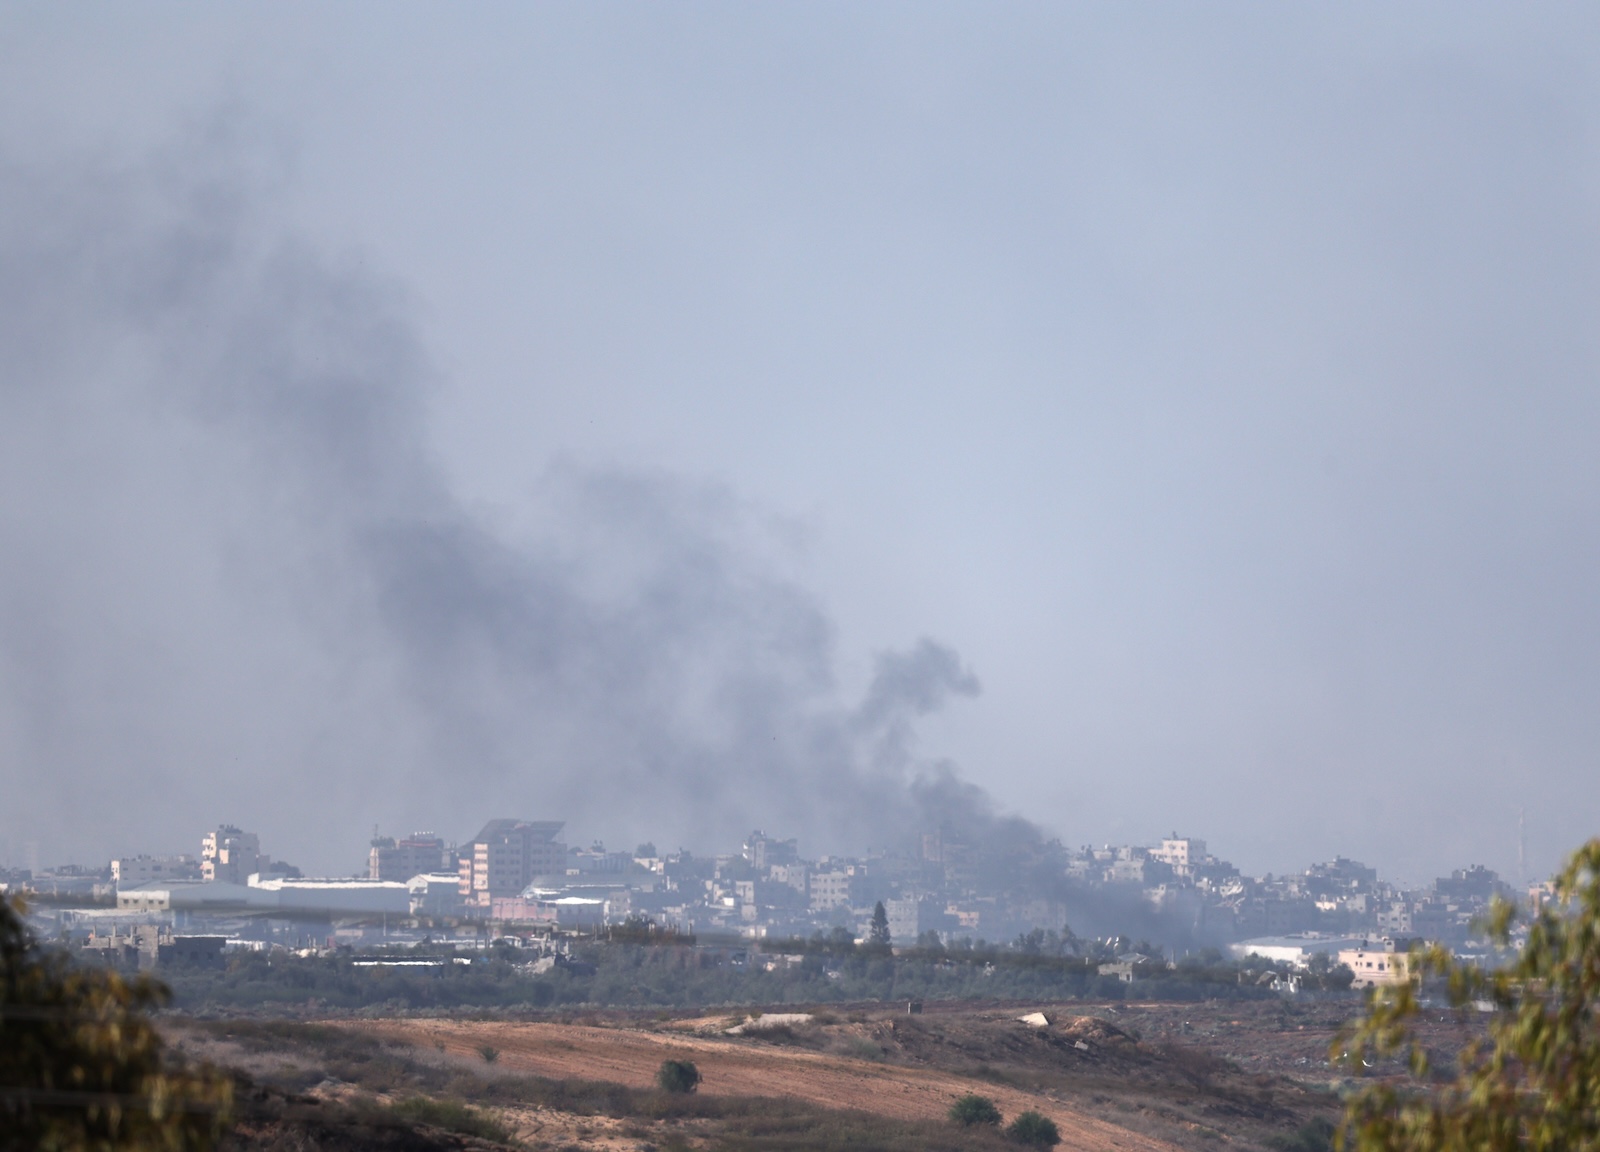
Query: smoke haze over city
679	422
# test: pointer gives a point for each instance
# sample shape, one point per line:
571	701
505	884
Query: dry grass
859	1079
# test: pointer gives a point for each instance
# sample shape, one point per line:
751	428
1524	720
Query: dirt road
631	1057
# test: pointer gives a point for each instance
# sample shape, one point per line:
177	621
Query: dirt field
1130	1077
741	1069
1102	1089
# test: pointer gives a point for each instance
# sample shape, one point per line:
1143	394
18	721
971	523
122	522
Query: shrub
452	1116
973	1109
861	1048
1315	1136
678	1076
1032	1128
489	1053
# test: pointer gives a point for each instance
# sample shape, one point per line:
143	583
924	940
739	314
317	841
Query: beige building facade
229	856
1375	963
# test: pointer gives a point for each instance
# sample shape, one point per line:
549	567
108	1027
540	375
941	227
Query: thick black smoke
236	586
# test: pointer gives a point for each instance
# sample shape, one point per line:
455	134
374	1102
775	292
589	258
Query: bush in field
1032	1128
973	1109
678	1076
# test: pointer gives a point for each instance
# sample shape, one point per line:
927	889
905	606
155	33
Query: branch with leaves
1534	1082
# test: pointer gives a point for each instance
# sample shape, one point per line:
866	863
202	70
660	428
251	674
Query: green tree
1035	1129
1069	940
1534	1083
1030	943
878	933
679	1076
81	1065
972	1109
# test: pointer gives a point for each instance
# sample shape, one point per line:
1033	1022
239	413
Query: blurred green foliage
81	1064
1534	1082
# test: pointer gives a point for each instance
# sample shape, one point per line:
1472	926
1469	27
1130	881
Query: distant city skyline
359	859
999	885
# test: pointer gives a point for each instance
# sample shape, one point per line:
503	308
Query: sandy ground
728	1067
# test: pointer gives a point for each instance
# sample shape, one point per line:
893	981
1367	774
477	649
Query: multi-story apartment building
1392	917
595	860
796	876
418	854
1180	852
763	851
1134	869
835	888
229	856
506	855
911	916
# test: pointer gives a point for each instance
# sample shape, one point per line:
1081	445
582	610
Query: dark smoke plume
236	586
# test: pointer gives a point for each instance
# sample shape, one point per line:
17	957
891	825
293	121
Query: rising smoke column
235	584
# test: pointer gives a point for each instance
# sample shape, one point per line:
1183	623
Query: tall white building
230	855
502	859
1181	853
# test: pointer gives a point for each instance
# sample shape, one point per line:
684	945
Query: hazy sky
667	417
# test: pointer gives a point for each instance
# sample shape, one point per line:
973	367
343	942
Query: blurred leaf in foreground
1534	1082
81	1064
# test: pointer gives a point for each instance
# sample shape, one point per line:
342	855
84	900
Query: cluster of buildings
521	877
1341	897
1372	961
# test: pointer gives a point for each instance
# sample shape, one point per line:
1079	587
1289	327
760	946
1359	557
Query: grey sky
1219	384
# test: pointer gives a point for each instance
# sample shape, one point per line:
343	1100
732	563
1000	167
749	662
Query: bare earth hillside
1104	1087
746	1069
1146	1077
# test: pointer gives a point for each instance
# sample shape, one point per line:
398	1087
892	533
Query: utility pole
1522	847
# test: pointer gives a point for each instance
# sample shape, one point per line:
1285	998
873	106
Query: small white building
1294	950
1375	962
578	911
336	897
435	894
